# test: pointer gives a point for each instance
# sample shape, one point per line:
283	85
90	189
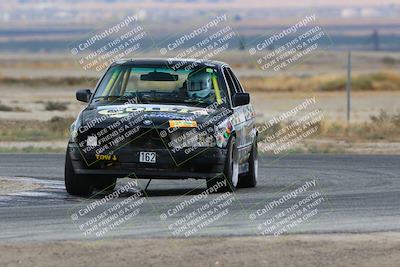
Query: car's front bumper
207	163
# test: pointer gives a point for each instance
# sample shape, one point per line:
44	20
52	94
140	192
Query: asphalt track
357	193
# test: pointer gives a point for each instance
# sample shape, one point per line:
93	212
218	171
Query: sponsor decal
182	124
106	157
119	113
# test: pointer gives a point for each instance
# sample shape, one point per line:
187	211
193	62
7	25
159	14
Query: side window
231	84
239	88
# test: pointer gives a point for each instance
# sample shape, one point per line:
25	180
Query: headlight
91	140
73	133
184	139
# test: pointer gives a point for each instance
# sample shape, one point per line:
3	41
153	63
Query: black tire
104	183
249	179
76	185
229	172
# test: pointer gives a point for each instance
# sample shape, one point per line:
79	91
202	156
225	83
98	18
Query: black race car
163	119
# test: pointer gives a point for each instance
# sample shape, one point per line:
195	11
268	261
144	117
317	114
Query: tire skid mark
50	191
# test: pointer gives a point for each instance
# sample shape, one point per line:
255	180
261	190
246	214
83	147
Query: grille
148	138
143	137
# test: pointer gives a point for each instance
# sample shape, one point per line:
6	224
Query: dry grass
376	81
7	108
381	127
4	107
48	81
380	81
17	130
53	105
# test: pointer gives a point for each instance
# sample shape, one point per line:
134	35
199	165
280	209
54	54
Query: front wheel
75	184
249	179
229	180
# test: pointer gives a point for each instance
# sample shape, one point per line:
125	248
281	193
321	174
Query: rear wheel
229	180
250	179
75	184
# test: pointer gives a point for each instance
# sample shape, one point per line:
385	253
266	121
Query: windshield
160	85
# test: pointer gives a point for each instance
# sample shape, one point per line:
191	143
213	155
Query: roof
169	62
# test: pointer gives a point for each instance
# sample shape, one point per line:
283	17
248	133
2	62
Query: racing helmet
199	85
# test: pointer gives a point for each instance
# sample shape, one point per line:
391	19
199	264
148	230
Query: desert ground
375	249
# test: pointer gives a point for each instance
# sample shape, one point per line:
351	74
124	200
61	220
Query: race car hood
150	114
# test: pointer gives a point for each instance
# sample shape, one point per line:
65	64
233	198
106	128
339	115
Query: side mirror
241	99
83	95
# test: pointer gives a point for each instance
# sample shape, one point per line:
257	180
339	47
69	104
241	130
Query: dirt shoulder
8	185
377	249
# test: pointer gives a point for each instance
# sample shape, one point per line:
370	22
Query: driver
199	85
